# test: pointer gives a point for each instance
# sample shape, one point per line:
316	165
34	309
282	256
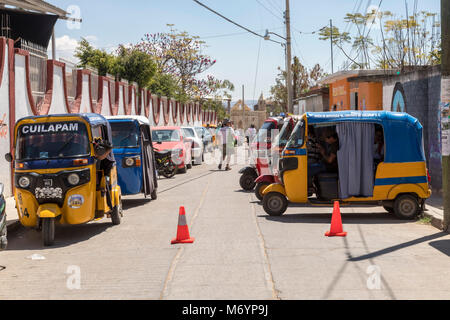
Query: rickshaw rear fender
410	189
279	188
49	210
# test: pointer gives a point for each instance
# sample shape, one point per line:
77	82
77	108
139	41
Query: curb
436	217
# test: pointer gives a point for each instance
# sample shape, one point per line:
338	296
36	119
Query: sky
243	58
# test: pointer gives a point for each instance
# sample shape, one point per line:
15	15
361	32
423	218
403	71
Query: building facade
243	117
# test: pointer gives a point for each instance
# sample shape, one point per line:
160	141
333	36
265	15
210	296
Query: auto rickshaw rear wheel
247	182
406	207
154	194
259	189
48	231
117	213
275	204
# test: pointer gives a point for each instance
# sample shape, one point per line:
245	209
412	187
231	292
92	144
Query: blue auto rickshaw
132	142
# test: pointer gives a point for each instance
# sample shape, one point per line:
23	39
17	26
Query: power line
270	11
231	21
275	6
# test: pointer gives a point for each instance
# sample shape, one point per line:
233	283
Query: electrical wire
270	11
231	21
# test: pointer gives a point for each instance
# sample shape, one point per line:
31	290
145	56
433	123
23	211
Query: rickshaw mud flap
49	210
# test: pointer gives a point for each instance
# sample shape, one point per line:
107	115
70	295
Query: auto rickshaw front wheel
116	213
406	207
48	231
275	204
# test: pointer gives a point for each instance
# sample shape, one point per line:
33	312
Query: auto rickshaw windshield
124	134
297	138
52	141
282	138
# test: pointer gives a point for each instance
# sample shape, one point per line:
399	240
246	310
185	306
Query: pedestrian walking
226	144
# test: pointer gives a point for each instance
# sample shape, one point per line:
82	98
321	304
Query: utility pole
332	55
445	100
290	108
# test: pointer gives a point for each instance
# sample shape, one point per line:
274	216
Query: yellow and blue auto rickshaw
379	159
64	172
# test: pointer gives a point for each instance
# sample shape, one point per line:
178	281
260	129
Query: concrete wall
114	98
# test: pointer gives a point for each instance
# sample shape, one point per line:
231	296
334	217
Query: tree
410	41
179	54
135	66
164	85
302	80
95	58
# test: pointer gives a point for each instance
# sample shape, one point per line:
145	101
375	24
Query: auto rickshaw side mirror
9	157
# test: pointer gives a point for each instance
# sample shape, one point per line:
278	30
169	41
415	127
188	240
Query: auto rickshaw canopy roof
403	134
91	118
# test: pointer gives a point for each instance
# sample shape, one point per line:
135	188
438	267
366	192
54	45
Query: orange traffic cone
336	223
183	230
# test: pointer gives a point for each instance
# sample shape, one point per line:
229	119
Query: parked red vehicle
262	146
171	138
268	177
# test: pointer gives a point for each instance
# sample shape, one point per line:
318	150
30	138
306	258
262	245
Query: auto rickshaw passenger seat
328	185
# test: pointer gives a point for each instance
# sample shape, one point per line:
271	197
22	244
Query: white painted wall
85	97
5	167
58	104
23	105
106	106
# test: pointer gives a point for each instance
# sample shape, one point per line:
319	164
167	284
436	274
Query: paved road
239	252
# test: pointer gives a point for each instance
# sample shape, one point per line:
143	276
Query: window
297	139
125	134
52	141
165	136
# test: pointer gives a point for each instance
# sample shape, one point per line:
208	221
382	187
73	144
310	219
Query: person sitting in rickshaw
379	146
315	164
329	154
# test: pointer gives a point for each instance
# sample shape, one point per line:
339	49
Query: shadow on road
243	191
31	239
133	203
347	218
442	245
407	244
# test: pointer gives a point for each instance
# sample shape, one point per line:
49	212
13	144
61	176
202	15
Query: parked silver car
198	148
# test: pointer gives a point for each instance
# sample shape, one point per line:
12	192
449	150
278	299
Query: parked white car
198	148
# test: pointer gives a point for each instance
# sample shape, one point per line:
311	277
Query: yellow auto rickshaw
379	159
64	172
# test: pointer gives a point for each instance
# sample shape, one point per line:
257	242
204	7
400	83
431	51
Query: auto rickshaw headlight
24	182
129	162
73	179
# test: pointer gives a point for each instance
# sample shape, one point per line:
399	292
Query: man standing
226	140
